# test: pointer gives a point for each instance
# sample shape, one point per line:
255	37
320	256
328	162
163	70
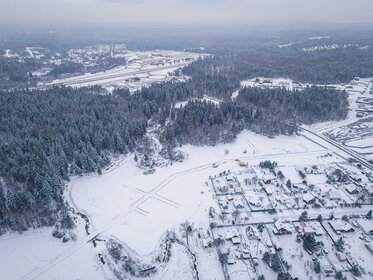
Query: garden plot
293	253
258	201
282	199
209	266
245	251
338	259
291	173
358	252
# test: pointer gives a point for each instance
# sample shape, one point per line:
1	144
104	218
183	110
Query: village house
311	228
233	236
351	189
335	195
236	240
309	198
326	268
341	227
252	233
229	178
245	254
230	259
282	228
254	202
341	256
238	190
230	234
223	203
268	178
207	242
269	190
238	204
366	226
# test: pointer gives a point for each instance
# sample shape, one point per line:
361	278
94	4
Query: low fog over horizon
180	12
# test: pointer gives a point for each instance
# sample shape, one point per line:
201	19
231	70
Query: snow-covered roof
366	225
230	234
341	226
207	241
284	226
312	227
236	240
252	231
229	178
238	204
335	195
350	188
269	190
308	197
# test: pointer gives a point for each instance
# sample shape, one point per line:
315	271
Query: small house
238	204
252	233
207	242
282	228
341	256
326	268
335	195
309	198
366	226
351	189
341	227
236	240
269	190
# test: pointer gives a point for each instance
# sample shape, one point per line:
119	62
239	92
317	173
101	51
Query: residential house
238	204
282	228
341	226
351	189
309	198
207	242
252	233
326	268
366	226
335	195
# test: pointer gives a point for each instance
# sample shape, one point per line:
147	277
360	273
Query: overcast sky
184	11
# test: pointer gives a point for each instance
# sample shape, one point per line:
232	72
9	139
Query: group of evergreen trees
266	111
220	74
47	136
313	104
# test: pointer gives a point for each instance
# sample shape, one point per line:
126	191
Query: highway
353	154
104	76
